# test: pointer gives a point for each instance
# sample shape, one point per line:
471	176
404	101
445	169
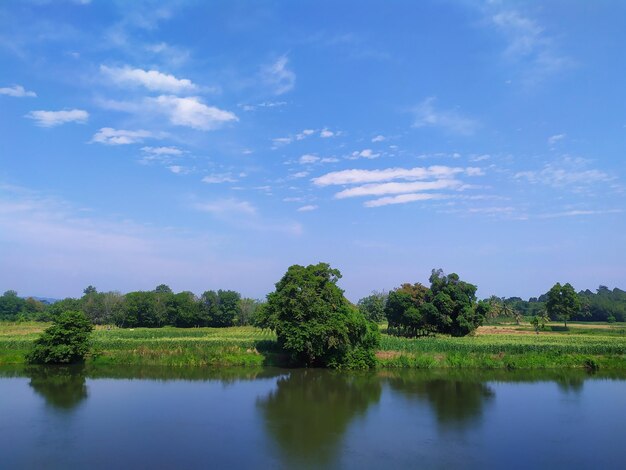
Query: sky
211	145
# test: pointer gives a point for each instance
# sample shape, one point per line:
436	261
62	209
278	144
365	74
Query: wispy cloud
278	76
307	208
412	187
56	118
379	189
173	151
187	111
263	104
578	213
219	178
553	139
378	138
110	136
308	159
528	44
426	115
17	91
153	80
226	206
566	172
403	199
356	176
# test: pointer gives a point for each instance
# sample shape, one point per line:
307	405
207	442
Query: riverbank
500	347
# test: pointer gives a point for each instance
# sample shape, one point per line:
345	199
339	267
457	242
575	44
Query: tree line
156	308
227	308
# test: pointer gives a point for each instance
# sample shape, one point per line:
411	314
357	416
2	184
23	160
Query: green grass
251	347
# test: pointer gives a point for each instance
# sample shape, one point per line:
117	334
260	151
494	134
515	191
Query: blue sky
211	145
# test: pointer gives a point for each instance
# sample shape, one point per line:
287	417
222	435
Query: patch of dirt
500	330
388	354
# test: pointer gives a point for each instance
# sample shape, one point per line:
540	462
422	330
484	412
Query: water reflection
457	403
310	410
62	387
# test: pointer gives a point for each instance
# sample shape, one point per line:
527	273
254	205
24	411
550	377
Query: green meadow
596	346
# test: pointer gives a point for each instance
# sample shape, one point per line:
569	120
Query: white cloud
17	91
179	170
153	80
280	141
372	176
567	172
56	118
449	120
279	77
378	138
325	133
307	159
304	134
219	178
307	208
367	153
379	189
301	174
191	112
402	199
226	206
162	150
555	138
110	136
329	160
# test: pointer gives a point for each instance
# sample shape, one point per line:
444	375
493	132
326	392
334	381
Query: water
276	418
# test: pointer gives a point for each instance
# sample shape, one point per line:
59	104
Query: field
493	347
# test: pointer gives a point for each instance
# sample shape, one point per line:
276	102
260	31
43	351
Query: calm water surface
276	418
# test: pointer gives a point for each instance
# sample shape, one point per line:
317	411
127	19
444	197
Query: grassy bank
503	347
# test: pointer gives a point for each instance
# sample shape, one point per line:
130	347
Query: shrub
65	342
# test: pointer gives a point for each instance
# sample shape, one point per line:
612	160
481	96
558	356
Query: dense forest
161	307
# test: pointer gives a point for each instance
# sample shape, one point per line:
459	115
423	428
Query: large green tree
315	324
563	302
448	307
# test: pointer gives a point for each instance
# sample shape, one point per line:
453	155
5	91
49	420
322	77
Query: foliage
315	324
449	307
563	302
373	306
65	342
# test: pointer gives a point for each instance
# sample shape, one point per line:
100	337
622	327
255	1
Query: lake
279	418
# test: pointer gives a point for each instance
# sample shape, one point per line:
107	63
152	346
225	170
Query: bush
65	342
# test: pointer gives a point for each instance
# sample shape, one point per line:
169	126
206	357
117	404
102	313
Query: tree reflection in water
310	410
458	403
63	387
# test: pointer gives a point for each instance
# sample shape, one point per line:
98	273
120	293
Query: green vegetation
448	307
65	342
563	303
315	324
501	347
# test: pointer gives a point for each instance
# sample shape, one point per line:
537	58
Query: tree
449	307
315	324
373	306
65	342
246	311
539	321
563	302
10	305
